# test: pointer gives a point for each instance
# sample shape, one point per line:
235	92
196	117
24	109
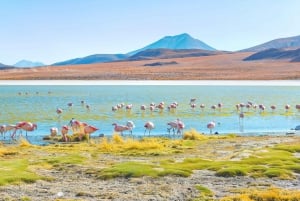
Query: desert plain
229	66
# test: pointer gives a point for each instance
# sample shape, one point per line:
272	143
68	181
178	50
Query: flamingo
53	131
88	129
114	108
143	107
148	126
192	100
211	125
59	111
161	106
241	122
64	132
129	107
152	108
77	125
193	105
120	128
287	107
130	125
214	107
220	105
177	124
298	107
27	126
3	130
202	106
273	107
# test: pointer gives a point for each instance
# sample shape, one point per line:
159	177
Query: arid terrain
216	67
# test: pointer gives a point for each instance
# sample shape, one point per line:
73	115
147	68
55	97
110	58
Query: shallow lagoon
38	103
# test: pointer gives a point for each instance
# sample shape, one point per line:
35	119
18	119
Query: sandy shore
74	183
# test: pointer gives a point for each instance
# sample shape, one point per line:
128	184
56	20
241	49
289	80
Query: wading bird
120	128
148	126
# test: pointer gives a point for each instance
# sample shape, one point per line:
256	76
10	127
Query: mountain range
183	45
26	63
281	43
276	54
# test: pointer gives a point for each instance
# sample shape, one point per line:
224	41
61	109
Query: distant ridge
4	67
281	43
181	41
96	58
276	54
162	53
27	63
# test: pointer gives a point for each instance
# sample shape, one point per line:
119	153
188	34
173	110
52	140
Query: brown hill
276	54
215	67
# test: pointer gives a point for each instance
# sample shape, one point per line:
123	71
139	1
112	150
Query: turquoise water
38	104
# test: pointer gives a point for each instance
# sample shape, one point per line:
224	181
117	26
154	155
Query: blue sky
55	30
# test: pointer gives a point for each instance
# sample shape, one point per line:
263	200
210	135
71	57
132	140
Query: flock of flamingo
175	126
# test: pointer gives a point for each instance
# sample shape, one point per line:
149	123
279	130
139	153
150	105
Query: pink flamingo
298	107
129	107
143	107
114	108
148	126
59	111
202	106
192	100
3	130
177	124
53	131
213	107
88	130
77	125
237	106
287	107
24	125
64	132
152	108
273	107
211	125
130	125
161	106
220	105
120	128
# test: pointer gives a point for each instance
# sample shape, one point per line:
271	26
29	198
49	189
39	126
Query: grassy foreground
157	157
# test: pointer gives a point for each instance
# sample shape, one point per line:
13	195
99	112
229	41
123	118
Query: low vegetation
108	158
271	194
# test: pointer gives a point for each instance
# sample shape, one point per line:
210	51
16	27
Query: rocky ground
73	183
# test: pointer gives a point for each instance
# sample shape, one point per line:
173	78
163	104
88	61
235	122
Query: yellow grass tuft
117	139
194	135
272	194
24	143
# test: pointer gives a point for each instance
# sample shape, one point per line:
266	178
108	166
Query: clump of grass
24	143
128	169
117	139
231	172
194	135
8	152
278	172
16	171
205	193
152	146
271	194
